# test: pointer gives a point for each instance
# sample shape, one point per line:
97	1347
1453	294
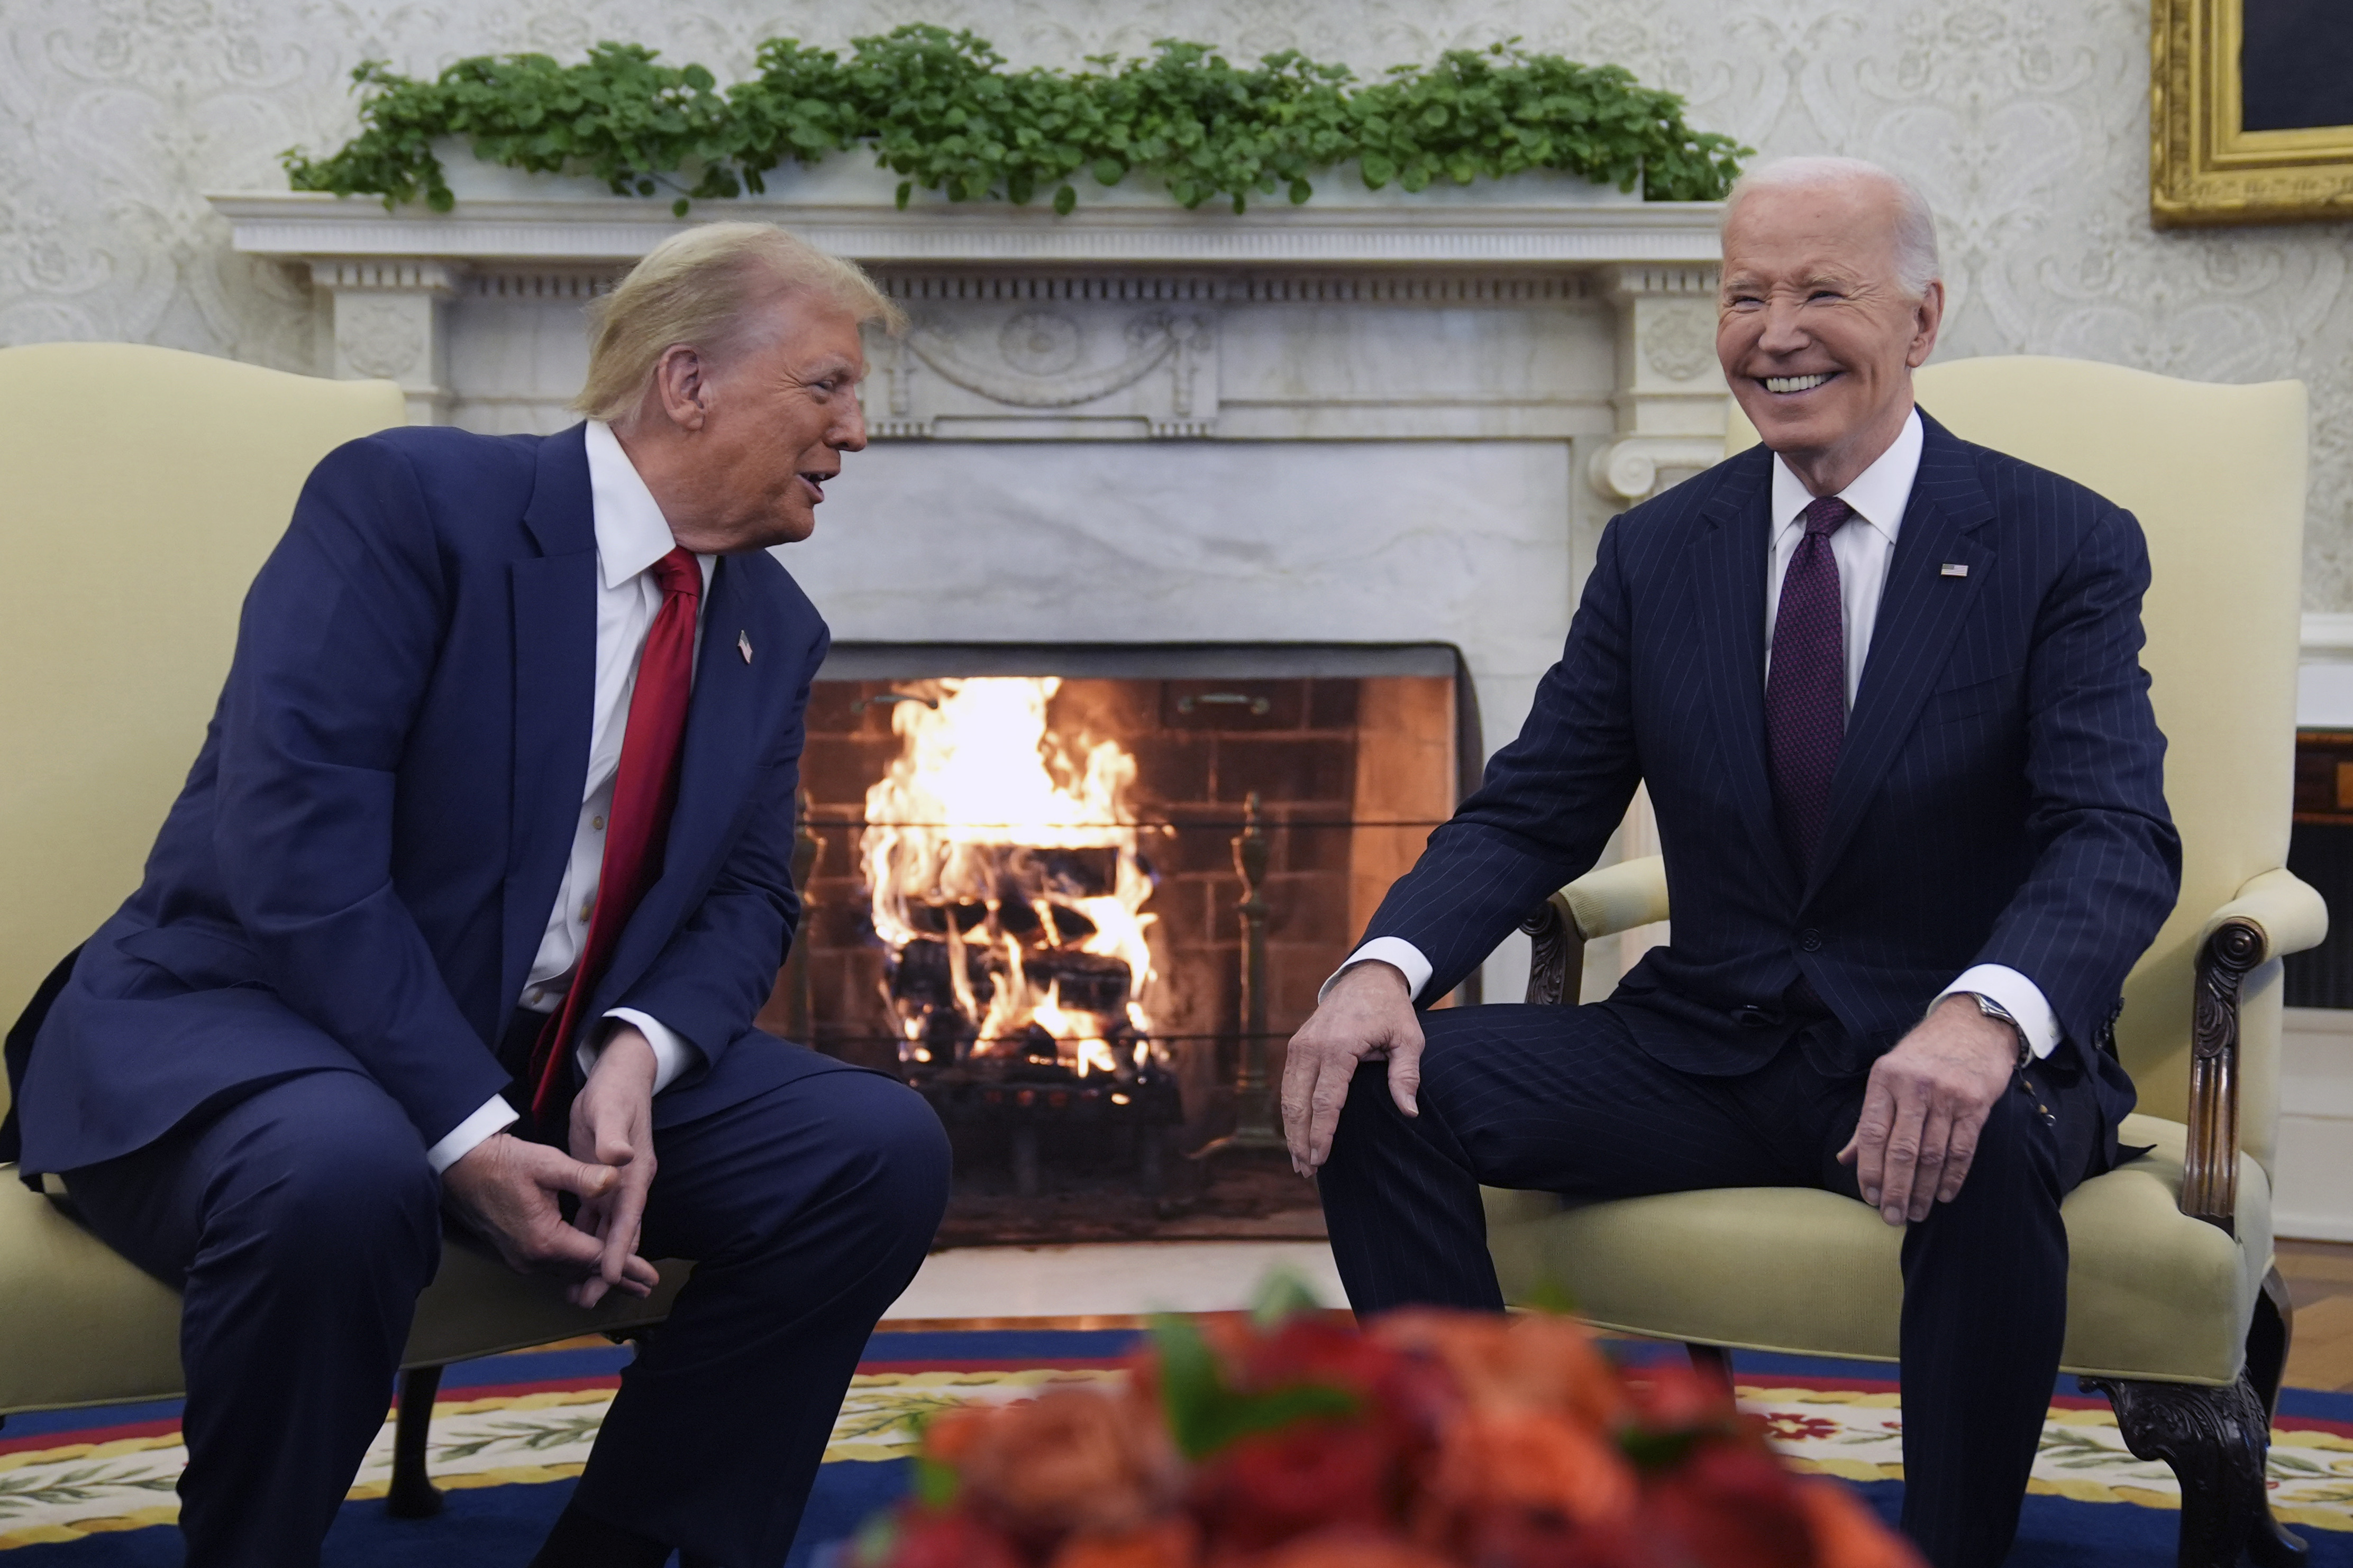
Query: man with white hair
469	900
1883	687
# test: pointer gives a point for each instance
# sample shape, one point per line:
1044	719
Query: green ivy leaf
1065	199
942	109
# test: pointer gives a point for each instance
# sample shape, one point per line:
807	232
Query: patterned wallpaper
2025	121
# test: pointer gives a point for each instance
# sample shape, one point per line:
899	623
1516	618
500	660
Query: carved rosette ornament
1077	367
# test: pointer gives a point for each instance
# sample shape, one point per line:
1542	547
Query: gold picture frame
2202	168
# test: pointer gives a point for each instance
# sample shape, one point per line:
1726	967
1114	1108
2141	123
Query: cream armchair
139	489
2174	1308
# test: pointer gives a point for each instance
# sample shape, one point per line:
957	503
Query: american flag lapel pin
743	646
1949	569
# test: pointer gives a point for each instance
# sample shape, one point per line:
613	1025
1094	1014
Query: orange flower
1847	1535
1533	1362
1071	1460
1345	1549
1170	1543
1531	1473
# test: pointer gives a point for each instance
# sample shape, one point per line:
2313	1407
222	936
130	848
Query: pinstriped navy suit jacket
1999	798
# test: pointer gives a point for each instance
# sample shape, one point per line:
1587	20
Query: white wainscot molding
2313	1176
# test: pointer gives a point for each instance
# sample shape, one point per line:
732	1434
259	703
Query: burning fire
1007	884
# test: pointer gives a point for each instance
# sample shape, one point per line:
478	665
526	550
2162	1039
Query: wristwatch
1995	1010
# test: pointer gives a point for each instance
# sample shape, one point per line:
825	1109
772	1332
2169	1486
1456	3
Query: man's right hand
505	1188
1367	1015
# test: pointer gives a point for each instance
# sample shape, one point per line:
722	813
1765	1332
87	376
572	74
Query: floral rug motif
87	1476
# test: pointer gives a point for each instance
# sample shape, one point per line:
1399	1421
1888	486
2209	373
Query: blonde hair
1917	265
703	288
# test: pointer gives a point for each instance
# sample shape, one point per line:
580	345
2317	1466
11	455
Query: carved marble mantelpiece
1537	308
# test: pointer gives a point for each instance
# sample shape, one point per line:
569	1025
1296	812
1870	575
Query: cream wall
2026	122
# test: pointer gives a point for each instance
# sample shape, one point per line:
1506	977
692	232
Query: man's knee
331	1169
904	1151
2015	1163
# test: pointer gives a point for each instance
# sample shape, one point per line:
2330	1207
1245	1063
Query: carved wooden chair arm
2273	915
1600	903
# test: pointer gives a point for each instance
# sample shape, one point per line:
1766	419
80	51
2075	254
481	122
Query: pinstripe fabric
1559	1099
1997	799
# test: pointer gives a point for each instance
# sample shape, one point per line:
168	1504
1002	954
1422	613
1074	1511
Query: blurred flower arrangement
1430	1440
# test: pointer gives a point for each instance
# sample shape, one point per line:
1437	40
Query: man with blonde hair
469	903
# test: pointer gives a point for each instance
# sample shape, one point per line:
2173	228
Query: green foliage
1205	1415
943	111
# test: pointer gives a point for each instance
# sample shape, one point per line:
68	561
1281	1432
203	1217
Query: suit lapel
554	596
1729	561
1921	611
724	745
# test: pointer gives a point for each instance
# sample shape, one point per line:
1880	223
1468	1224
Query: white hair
1917	265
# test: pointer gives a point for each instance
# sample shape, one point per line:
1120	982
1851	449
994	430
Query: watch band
1993	1009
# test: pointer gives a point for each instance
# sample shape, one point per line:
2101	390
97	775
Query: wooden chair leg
1713	1362
413	1494
2269	1337
2215	1440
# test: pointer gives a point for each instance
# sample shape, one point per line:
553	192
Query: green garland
943	111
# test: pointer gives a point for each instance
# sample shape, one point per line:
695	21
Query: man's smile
1784	385
815	481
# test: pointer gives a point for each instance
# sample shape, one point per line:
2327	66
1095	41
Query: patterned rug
93	1488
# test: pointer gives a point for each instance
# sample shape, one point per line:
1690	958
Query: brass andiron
1254	1091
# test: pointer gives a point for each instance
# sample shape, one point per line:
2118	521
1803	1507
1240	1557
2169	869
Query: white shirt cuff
460	1141
673	1052
2013	991
1393	951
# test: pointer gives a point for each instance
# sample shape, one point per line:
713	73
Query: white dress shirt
1863	549
631	535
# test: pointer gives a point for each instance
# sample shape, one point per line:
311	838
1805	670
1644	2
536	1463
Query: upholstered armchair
2175	1310
139	489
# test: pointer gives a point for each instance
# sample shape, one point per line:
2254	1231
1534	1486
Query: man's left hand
612	1124
1927	1102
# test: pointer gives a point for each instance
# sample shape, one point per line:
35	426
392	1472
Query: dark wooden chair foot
413	1494
1713	1362
2216	1441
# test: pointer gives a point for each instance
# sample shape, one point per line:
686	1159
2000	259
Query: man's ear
1926	317
682	386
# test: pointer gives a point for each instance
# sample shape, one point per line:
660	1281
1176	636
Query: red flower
1524	1477
1345	1549
926	1540
1730	1505
1170	1543
1532	1363
1791	1427
1265	1490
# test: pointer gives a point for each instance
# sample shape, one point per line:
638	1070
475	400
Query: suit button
1752	1016
1811	939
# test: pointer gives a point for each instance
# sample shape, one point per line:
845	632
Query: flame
961	855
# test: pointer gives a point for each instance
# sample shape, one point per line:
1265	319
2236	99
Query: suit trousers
1561	1100
301	1221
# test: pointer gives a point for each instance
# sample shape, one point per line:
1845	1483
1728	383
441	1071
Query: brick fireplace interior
1349	754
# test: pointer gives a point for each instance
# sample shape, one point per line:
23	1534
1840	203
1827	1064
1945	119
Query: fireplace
1027	870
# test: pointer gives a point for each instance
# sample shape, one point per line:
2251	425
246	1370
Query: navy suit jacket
360	868
1999	797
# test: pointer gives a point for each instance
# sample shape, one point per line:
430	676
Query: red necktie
645	788
1805	694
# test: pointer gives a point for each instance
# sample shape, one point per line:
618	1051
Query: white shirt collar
631	532
1879	494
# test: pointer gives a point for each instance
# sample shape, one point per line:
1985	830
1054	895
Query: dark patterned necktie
1805	693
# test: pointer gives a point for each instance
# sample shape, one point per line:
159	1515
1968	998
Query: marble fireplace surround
1370	419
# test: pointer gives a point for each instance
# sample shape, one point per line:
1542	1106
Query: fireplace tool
1254	1093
